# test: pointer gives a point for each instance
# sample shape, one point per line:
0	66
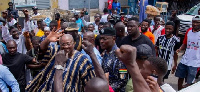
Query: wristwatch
59	67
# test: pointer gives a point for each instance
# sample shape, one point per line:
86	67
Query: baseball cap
143	51
108	31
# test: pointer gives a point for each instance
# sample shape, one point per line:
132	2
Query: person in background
157	29
35	12
104	17
166	47
199	11
142	14
116	6
96	22
10	21
115	71
120	32
97	42
46	33
92	29
79	22
57	18
53	25
4	14
12	11
90	37
40	31
72	29
109	17
191	59
134	37
110	6
176	20
23	41
7	79
16	63
145	30
35	53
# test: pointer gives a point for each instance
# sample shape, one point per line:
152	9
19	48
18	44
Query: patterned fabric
112	65
166	48
78	71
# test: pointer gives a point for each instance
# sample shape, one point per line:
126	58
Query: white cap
46	29
197	17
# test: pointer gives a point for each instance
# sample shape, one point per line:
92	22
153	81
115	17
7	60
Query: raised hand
61	58
88	47
127	54
54	35
26	34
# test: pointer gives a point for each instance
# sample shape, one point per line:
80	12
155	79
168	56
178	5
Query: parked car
186	19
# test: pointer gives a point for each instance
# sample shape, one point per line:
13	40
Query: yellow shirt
40	33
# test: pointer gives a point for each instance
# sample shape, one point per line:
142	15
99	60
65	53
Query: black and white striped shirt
166	48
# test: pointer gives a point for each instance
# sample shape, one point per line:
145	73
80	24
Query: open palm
54	36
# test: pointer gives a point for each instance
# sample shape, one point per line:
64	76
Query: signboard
3	5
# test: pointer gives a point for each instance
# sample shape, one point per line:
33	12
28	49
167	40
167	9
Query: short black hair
134	19
98	14
11	27
170	23
147	20
105	10
101	23
91	24
57	14
36	38
9	3
54	22
107	23
160	65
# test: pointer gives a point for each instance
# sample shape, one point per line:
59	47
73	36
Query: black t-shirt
142	39
177	23
16	64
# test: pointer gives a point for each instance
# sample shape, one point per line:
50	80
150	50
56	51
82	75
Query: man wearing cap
12	11
191	59
35	11
115	70
72	29
79	22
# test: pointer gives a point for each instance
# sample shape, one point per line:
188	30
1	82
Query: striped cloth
78	71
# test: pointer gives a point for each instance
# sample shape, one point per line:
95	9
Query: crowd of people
115	53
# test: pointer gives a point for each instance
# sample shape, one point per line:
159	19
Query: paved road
172	80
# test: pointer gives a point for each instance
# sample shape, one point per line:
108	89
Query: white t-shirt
192	53
167	88
158	32
13	21
104	18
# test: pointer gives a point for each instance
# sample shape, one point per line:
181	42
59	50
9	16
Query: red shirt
110	4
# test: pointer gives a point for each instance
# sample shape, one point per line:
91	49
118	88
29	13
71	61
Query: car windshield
193	10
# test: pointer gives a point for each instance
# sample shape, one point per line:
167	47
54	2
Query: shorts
167	75
188	72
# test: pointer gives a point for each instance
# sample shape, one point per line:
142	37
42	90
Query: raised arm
52	37
127	54
88	47
60	60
